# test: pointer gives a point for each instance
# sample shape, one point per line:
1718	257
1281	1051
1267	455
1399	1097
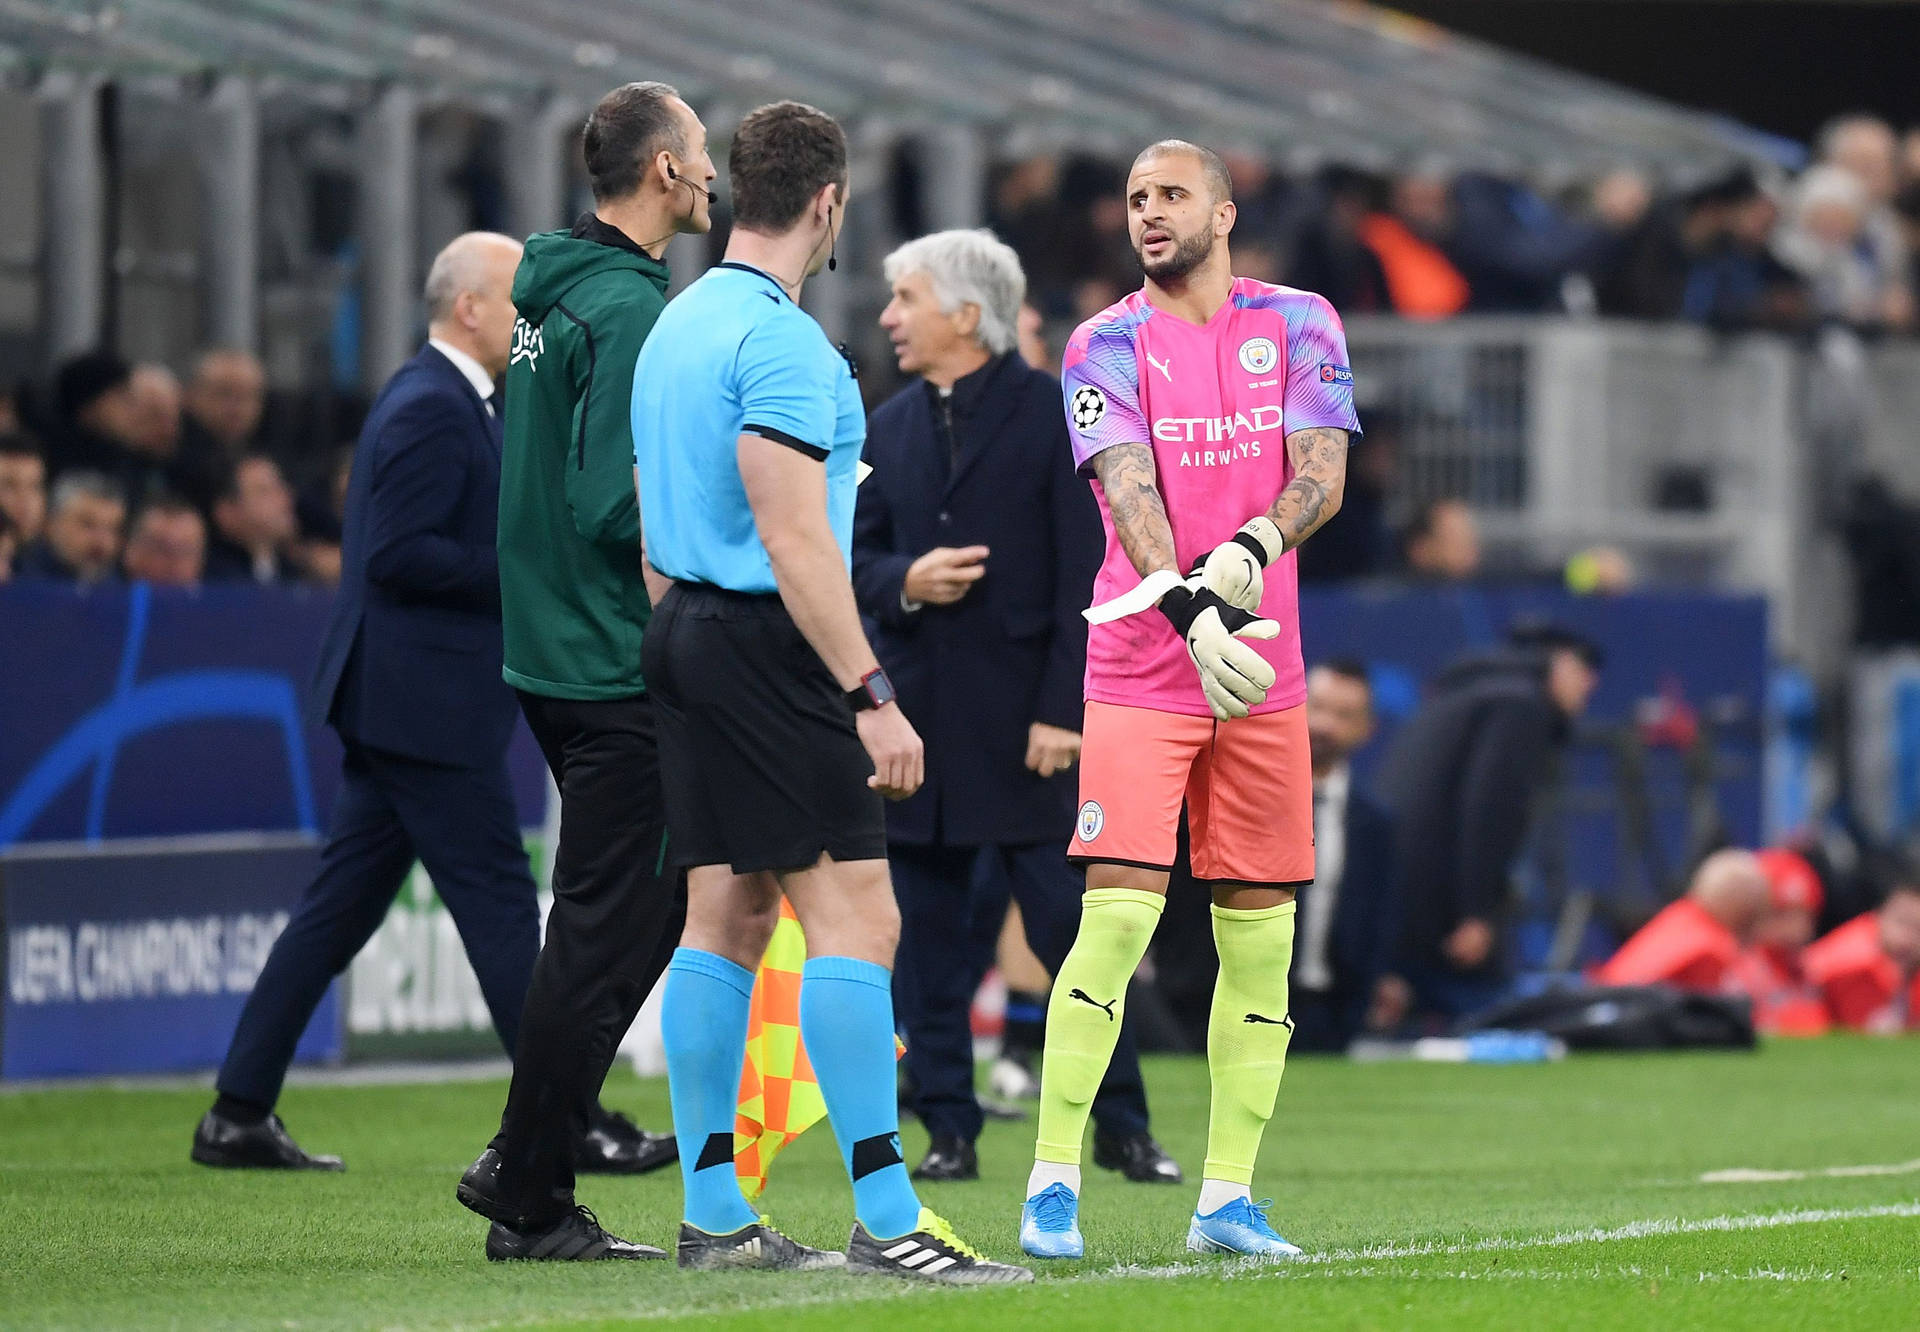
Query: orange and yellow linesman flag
779	1096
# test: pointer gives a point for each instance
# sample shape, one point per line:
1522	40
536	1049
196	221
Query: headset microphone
712	198
833	244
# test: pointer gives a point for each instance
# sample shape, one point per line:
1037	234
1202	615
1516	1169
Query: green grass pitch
1562	1196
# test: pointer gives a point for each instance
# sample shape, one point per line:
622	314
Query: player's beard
1188	255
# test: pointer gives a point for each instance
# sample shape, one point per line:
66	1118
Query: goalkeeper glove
1231	569
1233	676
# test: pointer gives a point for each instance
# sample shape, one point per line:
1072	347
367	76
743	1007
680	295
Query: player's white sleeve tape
1143	596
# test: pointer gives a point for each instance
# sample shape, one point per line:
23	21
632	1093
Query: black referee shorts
762	766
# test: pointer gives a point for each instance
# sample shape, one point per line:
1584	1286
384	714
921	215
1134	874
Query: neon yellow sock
1247	1034
1083	1016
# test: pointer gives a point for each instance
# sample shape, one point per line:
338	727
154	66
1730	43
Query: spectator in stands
1864	147
1696	943
1605	571
321	510
81	543
974	552
1703	256
96	414
1331	255
1771	971
1349	920
166	544
23	486
1516	250
252	525
1824	241
1460	783
1868	970
1442	543
156	412
226	399
9	547
1910	165
1422	282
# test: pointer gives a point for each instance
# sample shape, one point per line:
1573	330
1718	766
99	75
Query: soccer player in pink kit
1213	413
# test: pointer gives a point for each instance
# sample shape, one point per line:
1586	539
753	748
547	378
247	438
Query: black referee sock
241	1111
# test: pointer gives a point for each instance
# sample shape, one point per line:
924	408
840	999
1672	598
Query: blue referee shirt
733	355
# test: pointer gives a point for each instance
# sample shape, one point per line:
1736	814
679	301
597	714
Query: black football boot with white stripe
577	1237
758	1247
931	1253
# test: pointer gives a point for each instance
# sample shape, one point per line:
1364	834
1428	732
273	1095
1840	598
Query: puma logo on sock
1286	1021
1085	998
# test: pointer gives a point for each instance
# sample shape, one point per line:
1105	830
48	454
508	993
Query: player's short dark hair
1212	165
16	445
1545	637
164	502
623	133
1347	668
782	155
229	488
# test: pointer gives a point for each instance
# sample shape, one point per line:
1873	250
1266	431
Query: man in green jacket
574	605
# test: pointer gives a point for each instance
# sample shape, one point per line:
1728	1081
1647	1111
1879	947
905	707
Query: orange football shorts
1247	785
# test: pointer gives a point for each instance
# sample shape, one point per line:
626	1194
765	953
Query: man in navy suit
409	675
974	550
1349	918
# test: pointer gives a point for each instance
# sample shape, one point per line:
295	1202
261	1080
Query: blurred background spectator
1442	543
81	542
253	525
166	544
23	486
1349	918
1868	970
1696	943
1461	784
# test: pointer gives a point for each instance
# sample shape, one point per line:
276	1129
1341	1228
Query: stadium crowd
1743	250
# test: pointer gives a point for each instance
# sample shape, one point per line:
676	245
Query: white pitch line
1750	1176
1633	1230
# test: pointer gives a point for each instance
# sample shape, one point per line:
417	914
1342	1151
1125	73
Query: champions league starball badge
1089	405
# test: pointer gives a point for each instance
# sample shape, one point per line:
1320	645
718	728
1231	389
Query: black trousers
952	903
459	822
618	908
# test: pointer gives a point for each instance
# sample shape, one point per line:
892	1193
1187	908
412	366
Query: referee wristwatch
875	690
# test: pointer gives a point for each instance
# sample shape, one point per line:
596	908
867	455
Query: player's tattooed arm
1132	487
1319	483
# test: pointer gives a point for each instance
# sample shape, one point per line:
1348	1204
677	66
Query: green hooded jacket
572	600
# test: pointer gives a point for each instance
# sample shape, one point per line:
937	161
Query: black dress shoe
615	1145
577	1237
948	1159
1137	1156
220	1141
479	1188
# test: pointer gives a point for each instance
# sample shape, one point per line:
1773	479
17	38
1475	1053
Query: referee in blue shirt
778	730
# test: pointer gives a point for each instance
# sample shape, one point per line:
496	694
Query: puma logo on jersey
1164	367
1286	1021
1085	998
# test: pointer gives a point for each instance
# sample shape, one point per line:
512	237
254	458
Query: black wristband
1182	606
1253	544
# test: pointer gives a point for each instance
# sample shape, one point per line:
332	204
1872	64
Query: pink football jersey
1216	403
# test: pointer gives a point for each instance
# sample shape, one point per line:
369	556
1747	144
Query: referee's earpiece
833	243
712	198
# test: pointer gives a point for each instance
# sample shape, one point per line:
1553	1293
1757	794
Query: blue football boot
1238	1227
1050	1224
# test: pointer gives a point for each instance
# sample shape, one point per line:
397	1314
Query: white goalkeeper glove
1233	676
1231	569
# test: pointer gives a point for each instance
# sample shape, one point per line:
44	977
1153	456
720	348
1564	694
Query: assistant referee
778	729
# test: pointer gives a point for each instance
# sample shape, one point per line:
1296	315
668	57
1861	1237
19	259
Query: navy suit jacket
973	676
411	660
1366	918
